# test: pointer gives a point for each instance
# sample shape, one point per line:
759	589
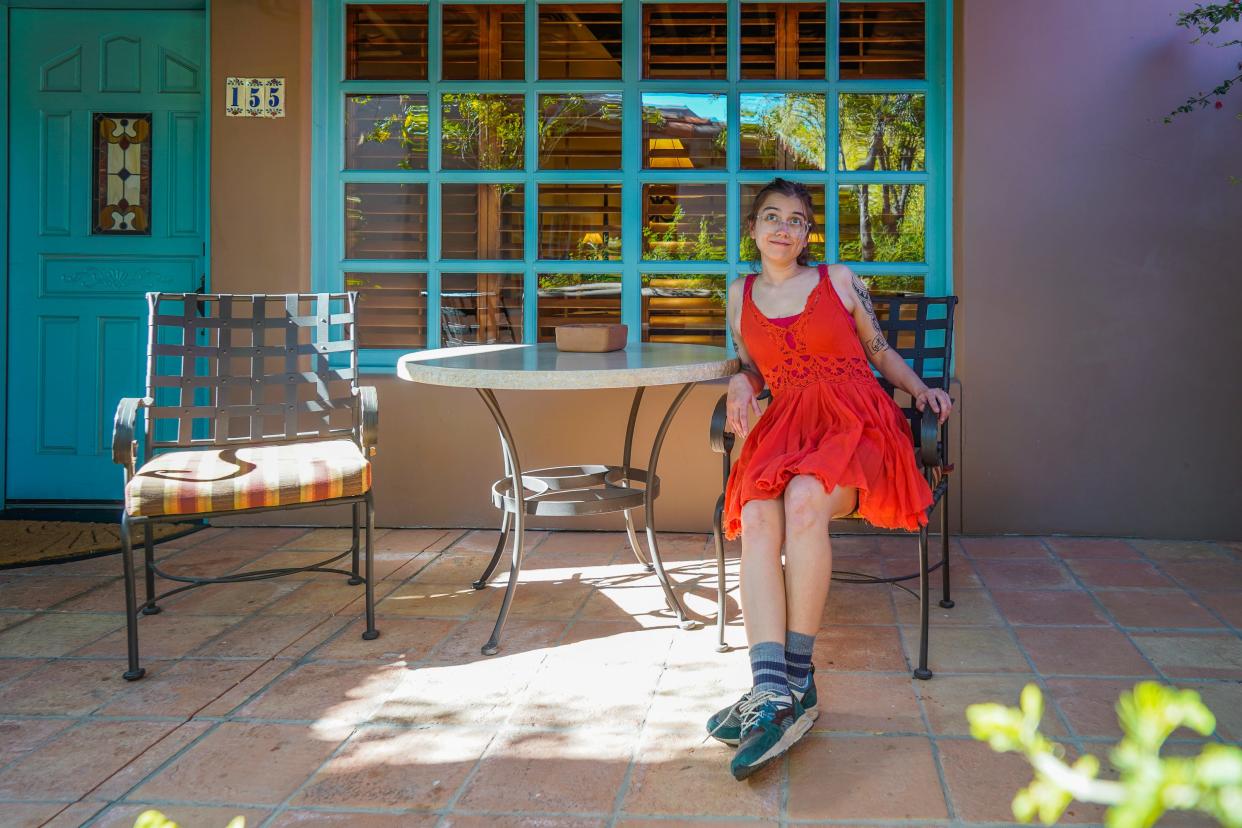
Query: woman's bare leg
763	585
808	550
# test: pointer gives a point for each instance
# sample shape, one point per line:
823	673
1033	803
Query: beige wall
1097	254
1096	330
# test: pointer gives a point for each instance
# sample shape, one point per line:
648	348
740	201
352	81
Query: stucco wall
1097	254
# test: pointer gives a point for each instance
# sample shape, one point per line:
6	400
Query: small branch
1084	789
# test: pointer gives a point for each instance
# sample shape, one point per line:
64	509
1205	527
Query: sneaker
771	723
725	725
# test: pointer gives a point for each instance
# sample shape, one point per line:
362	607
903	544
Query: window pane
684	41
480	308
121	155
684	307
783	131
580	42
484	42
881	223
783	41
386	42
482	132
816	246
888	285
386	132
684	221
577	298
392	309
580	132
580	221
882	40
890	126
481	221
684	131
385	221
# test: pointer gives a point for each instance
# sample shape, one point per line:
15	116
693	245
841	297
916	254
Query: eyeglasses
795	225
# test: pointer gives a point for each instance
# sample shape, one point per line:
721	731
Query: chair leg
131	614
357	579
490	569
371	633
718	538
148	556
921	672
945	600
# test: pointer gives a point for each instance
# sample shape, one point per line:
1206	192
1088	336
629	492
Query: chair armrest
368	425
720	438
123	424
929	439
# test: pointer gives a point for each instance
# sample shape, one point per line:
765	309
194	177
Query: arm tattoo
878	344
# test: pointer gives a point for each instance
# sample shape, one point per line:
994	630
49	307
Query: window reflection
385	221
392	309
566	298
816	247
482	132
881	223
580	221
882	40
783	40
882	132
684	40
582	41
386	42
684	307
386	132
684	131
783	131
483	42
481	221
684	221
580	132
480	308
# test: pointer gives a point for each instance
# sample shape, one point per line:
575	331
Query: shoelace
752	708
725	719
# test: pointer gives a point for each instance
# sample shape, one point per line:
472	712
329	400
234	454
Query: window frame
329	176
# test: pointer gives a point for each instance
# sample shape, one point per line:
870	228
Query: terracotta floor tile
644	605
700	823
262	636
413	541
549	601
982	783
397	768
1048	607
1117	574
258	764
1193	655
45	593
62	770
297	558
586	543
57	634
253	537
404	640
165	635
264	673
678	547
456	570
313	637
335	597
11	618
1217	574
1004	548
109	597
858	648
676	772
178	688
32	814
1166	551
565	771
483	541
1156	608
72	688
844	777
204	562
1111	548
1224	699
122	815
968	650
1227	603
481	692
945	699
12	669
143	765
565	695
971	606
458	600
1084	652
858	604
1090	704
228	599
346	819
19	737
1024	574
463	644
867	703
331	695
612	642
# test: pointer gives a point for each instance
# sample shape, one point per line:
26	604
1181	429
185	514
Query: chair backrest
242	369
920	328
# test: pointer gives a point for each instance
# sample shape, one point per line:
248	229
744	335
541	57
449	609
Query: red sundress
828	417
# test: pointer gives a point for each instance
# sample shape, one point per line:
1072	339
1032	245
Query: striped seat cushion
247	477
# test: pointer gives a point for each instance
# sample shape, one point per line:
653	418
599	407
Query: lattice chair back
920	328
233	370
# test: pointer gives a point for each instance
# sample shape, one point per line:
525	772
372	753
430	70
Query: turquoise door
107	151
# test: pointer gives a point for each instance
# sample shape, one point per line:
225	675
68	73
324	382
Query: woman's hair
787	188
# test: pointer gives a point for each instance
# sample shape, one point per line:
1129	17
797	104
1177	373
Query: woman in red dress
830	442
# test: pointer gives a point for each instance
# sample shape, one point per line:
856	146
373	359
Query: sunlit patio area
262	700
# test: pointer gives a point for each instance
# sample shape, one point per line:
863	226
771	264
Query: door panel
77	316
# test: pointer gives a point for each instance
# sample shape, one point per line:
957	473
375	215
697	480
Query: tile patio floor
261	699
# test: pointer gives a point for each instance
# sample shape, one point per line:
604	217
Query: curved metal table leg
625	465
490	569
649	509
519	516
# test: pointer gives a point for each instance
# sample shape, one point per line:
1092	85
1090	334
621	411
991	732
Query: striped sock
798	648
767	667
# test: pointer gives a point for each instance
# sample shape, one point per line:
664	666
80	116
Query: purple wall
1098	256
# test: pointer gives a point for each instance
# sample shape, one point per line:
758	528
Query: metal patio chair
920	329
252	403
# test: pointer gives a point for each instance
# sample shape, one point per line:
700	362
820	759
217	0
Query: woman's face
780	229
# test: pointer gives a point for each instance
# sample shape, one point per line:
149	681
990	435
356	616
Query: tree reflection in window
882	132
783	131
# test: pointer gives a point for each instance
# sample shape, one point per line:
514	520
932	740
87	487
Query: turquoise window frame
328	179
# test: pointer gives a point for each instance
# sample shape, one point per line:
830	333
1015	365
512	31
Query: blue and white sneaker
725	725
771	723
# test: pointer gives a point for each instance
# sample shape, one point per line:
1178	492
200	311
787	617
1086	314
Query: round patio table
567	491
